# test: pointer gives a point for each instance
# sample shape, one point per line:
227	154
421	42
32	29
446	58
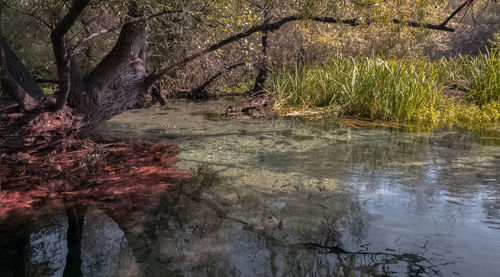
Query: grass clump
462	92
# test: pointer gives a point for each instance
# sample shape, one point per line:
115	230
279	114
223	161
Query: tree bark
9	84
19	73
17	93
116	84
61	54
261	78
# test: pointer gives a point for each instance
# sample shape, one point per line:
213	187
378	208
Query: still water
293	198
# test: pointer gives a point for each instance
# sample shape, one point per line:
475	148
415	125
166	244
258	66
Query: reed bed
463	92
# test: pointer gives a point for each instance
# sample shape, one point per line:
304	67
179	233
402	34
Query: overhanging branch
277	25
120	25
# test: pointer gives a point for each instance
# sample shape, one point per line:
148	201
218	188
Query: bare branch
32	15
210	80
120	25
466	3
275	26
47	81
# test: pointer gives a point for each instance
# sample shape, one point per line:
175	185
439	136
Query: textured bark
20	74
261	78
60	48
17	93
9	84
121	95
116	84
131	42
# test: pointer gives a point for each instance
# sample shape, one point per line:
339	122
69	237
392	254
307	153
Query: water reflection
104	248
292	198
47	248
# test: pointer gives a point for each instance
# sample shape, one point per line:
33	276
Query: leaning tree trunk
114	86
17	71
117	83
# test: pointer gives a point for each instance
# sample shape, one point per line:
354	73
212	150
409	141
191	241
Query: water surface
295	198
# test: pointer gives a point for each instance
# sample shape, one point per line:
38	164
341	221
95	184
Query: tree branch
120	25
275	26
47	81
130	43
466	3
32	15
210	80
60	48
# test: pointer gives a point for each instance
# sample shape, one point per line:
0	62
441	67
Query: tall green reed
409	89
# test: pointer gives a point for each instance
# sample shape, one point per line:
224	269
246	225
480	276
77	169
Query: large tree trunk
114	86
117	83
16	83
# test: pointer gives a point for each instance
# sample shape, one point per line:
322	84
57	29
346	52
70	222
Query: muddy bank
255	105
259	105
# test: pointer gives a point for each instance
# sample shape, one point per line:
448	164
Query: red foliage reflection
117	177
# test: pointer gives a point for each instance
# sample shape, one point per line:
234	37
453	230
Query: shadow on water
282	198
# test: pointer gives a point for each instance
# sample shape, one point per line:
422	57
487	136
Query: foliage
483	73
191	25
388	89
462	91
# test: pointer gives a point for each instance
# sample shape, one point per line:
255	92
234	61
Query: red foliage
116	177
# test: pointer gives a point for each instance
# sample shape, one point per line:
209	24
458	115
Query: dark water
294	198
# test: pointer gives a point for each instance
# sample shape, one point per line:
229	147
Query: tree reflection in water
195	231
